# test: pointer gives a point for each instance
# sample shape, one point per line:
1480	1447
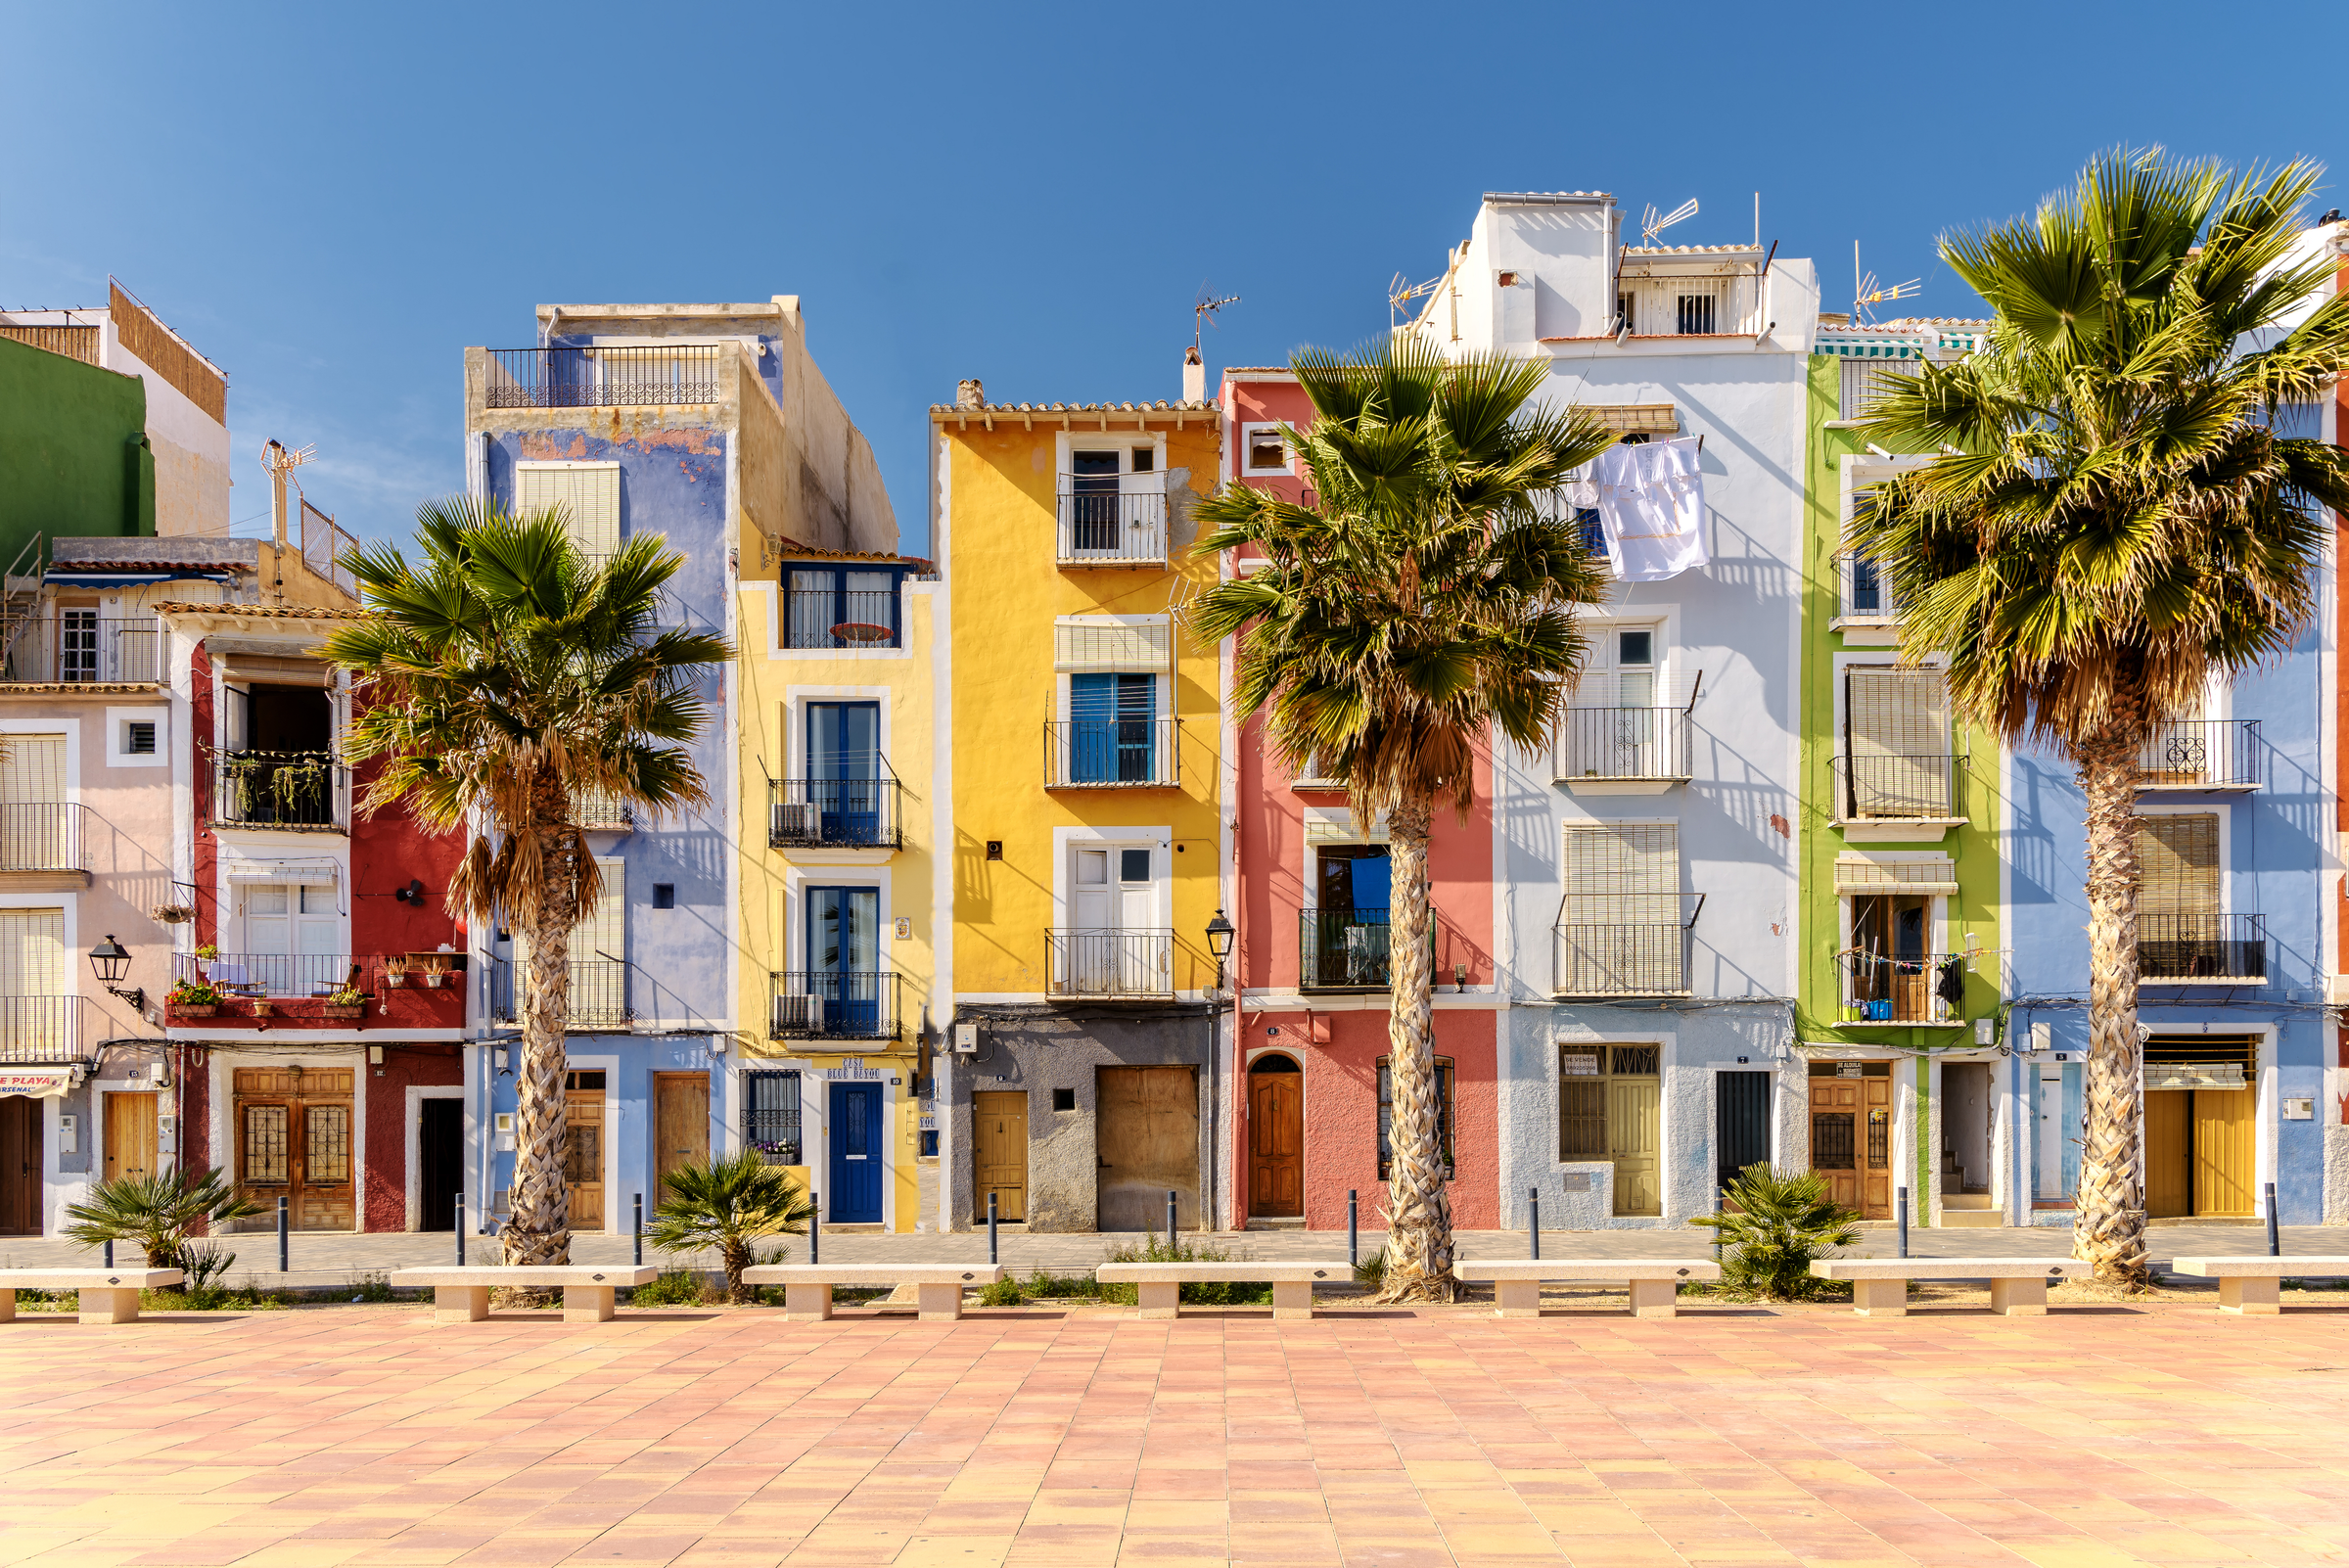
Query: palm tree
2116	517
1422	602
505	679
157	1210
730	1203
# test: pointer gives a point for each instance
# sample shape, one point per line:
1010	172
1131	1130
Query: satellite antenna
1866	290
1401	291
1650	225
1204	308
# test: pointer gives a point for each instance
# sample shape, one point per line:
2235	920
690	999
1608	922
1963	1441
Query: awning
125	580
1855	875
1636	419
36	1083
283	873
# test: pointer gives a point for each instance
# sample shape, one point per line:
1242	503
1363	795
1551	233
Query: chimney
969	394
1194	376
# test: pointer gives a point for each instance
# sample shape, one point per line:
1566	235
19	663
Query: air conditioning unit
798	819
798	1015
966	1039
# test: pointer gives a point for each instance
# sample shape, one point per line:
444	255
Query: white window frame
118	737
1286	469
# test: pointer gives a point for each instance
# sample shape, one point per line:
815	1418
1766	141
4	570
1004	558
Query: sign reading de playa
37	1083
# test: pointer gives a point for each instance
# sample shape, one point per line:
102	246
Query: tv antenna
1401	291
1866	290
1204	308
1650	225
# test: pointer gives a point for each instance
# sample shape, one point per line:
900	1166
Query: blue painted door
855	1154
844	769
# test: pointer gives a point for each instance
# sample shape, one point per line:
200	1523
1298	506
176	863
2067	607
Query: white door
1092	959
2050	1131
292	941
1138	955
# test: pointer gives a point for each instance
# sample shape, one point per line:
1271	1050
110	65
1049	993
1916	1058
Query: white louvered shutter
1897	752
33	953
589	490
1102	643
1619	919
2178	864
32	816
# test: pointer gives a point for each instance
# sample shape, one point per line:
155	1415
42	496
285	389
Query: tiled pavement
2087	1439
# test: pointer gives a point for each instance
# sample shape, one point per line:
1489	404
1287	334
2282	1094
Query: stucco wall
73	453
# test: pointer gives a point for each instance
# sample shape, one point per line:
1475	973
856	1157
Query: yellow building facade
1078	809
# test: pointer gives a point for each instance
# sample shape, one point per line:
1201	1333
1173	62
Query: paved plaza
2092	1438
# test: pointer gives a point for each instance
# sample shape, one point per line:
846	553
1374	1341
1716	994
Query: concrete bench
2253	1285
2018	1286
807	1287
462	1295
1158	1286
1655	1282
107	1295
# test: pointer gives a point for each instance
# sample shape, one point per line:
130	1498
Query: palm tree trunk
1419	1203
537	1231
2108	1220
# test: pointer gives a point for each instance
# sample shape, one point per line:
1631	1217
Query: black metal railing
38	1030
826	617
599	993
833	1004
74	647
1927	988
1624	742
41	836
2201	753
1342	949
267	974
1865	590
603	814
2202	946
1135	963
1623	943
853	814
1896	788
601	378
1106	753
1107	529
277	789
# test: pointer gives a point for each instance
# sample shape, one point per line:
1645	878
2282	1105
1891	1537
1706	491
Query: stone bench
2018	1286
1655	1283
1158	1286
2253	1285
807	1287
107	1295
462	1295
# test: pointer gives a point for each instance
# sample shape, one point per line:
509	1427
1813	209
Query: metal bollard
460	1230
2275	1237
816	1227
109	1255
638	1256
281	1236
1903	1213
1533	1200
1354	1237
1717	1229
1170	1222
991	1253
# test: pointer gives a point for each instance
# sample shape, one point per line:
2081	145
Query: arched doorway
1276	1137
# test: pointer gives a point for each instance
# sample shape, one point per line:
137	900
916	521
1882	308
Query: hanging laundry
1651	509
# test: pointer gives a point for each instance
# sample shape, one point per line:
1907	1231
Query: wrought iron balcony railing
75	648
1864	591
1110	965
1110	529
833	1004
1624	943
1342	949
2202	948
2201	753
42	836
1630	744
829	617
1903	988
40	1030
269	974
604	814
1112	753
850	814
1871	788
599	993
278	789
602	377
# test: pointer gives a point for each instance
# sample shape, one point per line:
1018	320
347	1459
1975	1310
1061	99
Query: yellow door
2169	1154
1632	1115
2224	1136
129	1135
584	1157
999	1124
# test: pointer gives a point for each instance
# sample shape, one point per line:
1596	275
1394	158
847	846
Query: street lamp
111	961
1219	933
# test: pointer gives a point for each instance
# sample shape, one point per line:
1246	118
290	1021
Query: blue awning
127	580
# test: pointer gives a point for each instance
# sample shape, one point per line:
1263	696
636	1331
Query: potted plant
395	969
173	915
193	999
348	1003
262	1007
436	972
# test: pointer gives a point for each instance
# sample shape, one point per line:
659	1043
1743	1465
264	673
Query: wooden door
999	1141
20	1165
293	1132
1275	1143
1875	1153
1147	1144
680	1126
1835	1136
584	1156
1632	1104
2169	1154
2224	1154
129	1135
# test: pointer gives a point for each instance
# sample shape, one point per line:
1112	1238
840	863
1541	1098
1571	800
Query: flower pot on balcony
435	982
262	1007
195	1009
396	980
331	1010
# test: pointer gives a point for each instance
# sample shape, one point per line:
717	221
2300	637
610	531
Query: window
1610	1099
1064	1099
1112	507
1897	760
928	1148
826	607
1111	729
1620	924
1386	1114
1263	449
1114	730
664	896
2180	932
599	981
2178	863
77	645
770	1116
1622	314
1695	315
138	738
1865	381
588	494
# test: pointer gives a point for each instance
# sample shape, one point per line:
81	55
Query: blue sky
332	202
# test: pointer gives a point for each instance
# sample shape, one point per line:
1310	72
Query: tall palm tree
2115	517
505	679
1425	600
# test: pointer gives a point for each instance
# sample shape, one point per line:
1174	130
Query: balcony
40	1030
1112	753
599	993
1907	988
603	814
77	648
1342	949
833	1004
1868	604
278	990
1110	965
2201	753
42	842
1111	528
269	974
1897	798
834	813
300	790
1624	751
1623	943
2202	949
601	378
829	617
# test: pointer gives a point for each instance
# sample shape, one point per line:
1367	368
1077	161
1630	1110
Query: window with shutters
37	821
1113	725
587	492
2182	930
841	607
599	969
1865	380
1896	759
771	1114
1610	1100
1622	918
1386	1115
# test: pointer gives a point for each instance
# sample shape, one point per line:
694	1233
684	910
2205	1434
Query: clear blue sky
333	200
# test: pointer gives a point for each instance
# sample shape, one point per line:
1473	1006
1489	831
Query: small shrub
207	1263
1772	1225
1001	1293
51	1301
673	1287
1205	1293
1372	1270
1043	1286
373	1285
727	1205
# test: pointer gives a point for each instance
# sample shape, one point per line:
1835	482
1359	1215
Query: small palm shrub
1203	1293
671	1287
156	1214
1371	1269
1772	1225
728	1204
